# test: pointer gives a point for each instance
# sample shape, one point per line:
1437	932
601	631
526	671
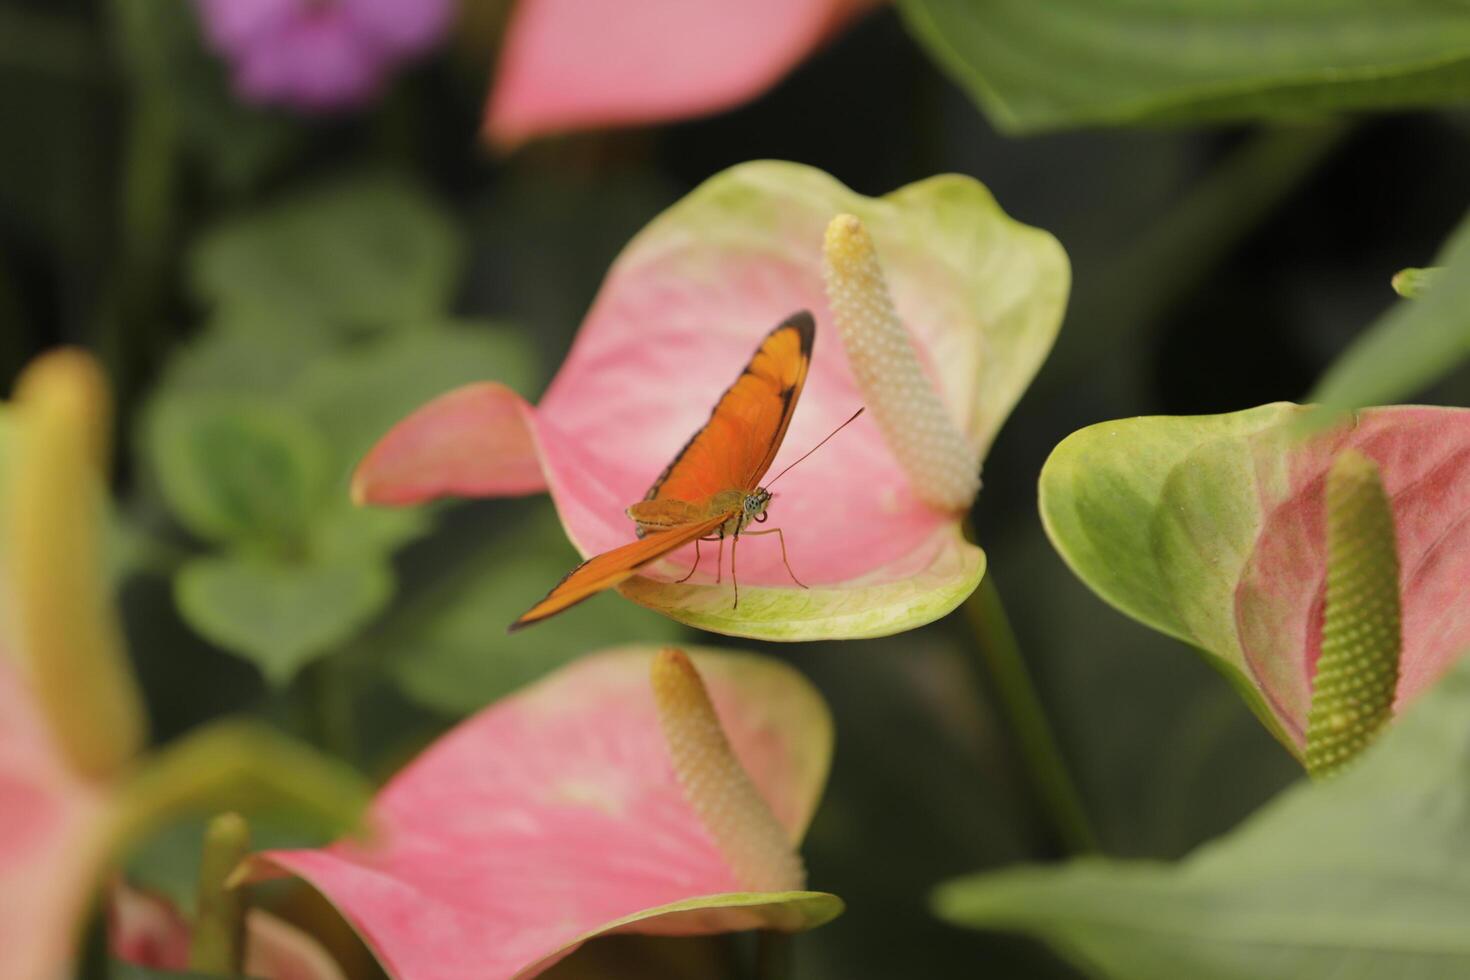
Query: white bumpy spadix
942	464
754	844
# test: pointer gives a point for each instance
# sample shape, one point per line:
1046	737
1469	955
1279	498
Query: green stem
218	946
772	955
329	695
999	660
132	326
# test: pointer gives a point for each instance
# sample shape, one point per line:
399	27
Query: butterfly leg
735	543
782	538
696	560
686	578
720	558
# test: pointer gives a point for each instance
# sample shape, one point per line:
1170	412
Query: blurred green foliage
328	323
1361	875
451	651
1038	66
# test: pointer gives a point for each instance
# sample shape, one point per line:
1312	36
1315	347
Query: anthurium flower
935	292
590	803
72	787
147	930
569	65
1213	529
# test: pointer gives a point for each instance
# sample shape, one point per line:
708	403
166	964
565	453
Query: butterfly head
753	507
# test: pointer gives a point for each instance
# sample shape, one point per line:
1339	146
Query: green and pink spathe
677	318
1213	529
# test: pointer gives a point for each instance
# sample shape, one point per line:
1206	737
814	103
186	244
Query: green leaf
1411	346
452	653
246	351
371	250
280	615
345	531
236	469
1366	875
1034	66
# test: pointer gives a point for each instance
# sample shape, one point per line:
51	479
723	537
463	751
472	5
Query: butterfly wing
740	441
612	567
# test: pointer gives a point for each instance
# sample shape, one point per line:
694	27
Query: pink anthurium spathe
592	802
49	821
942	309
569	65
73	787
1213	529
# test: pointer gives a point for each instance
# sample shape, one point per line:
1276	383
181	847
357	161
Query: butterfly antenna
818	445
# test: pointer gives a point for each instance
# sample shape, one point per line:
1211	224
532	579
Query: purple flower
319	54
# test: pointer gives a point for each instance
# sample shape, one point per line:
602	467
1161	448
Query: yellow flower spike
752	840
1358	670
65	626
941	463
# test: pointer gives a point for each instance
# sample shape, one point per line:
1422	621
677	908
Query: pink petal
570	64
473	441
146	929
555	813
1424	457
149	931
50	840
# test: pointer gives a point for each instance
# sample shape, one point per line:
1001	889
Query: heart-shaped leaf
1365	875
235	468
280	615
373	250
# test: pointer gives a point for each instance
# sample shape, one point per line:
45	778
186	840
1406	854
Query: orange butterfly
711	489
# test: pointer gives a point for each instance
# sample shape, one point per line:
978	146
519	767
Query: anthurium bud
753	842
218	943
66	628
1358	670
1413	283
940	461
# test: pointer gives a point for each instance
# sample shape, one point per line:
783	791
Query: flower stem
999	660
330	711
772	955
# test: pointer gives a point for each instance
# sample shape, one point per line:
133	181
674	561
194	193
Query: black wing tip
804	324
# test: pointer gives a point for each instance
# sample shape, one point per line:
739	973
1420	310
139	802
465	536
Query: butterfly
712	488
